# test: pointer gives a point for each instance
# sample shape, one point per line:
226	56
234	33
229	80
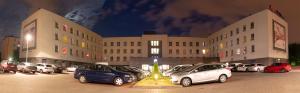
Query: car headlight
127	76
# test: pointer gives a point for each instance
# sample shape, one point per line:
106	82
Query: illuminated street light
28	38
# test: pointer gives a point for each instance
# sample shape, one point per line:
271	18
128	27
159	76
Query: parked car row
257	67
115	74
28	67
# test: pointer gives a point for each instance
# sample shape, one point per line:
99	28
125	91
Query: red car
6	66
278	67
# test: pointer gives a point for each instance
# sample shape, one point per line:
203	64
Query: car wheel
82	79
258	70
118	81
33	72
1	70
222	78
41	71
14	72
282	70
185	82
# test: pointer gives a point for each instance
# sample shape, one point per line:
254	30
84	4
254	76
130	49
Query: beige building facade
9	44
261	37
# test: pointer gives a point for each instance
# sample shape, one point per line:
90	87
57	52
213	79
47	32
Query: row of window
237	31
239	51
245	40
124	51
185	44
123	44
177	51
73	42
70	52
72	31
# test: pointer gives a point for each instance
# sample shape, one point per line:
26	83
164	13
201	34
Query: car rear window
48	66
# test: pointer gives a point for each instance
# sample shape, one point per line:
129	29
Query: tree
294	54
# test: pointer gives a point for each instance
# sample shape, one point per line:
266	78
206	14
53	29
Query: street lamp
28	38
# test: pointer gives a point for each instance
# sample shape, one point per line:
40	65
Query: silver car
257	67
175	69
201	73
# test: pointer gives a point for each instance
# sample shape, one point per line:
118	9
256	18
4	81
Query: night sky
133	17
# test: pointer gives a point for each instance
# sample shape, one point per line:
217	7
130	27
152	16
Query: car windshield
182	68
276	64
121	68
48	65
29	64
247	65
252	65
190	68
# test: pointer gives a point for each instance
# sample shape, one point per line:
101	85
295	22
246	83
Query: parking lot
241	82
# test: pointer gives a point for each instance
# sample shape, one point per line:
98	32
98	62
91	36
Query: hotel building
261	37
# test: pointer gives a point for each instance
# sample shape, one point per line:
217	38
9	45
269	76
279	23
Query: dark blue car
102	74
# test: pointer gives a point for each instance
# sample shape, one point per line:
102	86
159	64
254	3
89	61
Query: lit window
65	27
82	44
154	50
154	43
221	46
238	51
65	39
64	50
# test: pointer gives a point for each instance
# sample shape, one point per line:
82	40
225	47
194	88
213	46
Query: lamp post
28	38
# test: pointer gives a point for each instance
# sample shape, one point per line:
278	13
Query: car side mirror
194	71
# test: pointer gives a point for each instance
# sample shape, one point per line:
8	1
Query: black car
102	74
57	68
138	75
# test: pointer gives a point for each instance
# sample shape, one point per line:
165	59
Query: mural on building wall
29	29
279	36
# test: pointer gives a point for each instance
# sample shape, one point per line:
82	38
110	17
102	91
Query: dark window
125	43
105	51
221	37
76	52
252	36
118	44
125	58
237	41
71	52
132	43
252	48
197	51
71	30
105	44
237	31
197	43
82	35
139	51
170	51
252	25
244	28
111	43
191	43
111	58
131	51
231	52
56	25
139	43
231	33
184	43
170	43
118	51
56	48
77	44
177	43
77	33
226	54
111	51
118	58
125	51
56	36
217	39
177	51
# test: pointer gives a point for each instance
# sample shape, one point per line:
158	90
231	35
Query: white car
201	73
175	69
71	68
243	67
45	68
257	67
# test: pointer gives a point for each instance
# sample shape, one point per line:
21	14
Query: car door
106	74
201	74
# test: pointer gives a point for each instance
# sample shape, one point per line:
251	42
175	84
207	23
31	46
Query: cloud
210	15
